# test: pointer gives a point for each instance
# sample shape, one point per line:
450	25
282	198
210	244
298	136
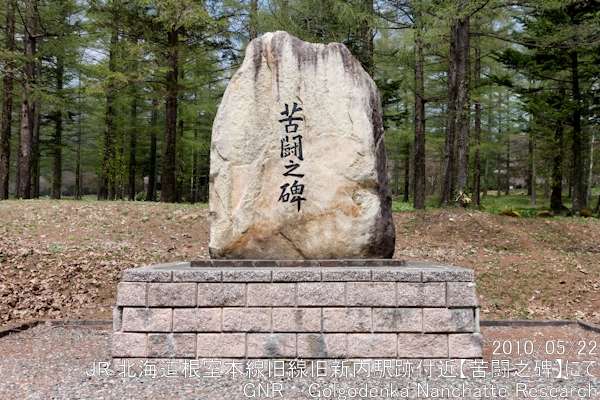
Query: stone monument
298	164
301	233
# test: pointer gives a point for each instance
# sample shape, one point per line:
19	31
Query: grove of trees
116	98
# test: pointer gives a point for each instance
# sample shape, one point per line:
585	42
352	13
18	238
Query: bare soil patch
62	259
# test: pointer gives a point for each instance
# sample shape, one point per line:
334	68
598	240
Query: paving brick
221	345
297	263
319	345
129	344
221	294
146	274
146	319
172	294
368	345
448	320
376	294
296	320
278	345
465	345
246	275
397	320
421	294
448	275
347	319
331	263
172	345
200	275
131	294
247	320
346	275
201	263
265	263
296	275
417	345
321	294
271	294
396	275
462	294
197	320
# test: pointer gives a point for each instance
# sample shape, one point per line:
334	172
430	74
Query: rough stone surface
319	345
366	345
321	294
465	345
397	320
279	345
347	275
221	294
129	344
172	345
345	211
421	294
271	294
146	319
197	276
171	294
346	319
246	319
286	275
415	345
131	294
296	319
221	345
197	320
381	294
448	320
462	294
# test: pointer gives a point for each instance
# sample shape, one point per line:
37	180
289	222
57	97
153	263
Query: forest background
116	99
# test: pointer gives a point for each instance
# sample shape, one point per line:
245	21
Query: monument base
297	309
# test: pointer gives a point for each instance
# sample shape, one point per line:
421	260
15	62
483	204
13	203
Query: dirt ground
62	259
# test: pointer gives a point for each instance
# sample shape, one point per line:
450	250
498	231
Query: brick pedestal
297	309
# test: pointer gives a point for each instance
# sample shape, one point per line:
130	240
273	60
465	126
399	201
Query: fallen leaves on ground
63	259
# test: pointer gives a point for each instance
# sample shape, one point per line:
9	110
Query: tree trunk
486	181
577	159
57	139
7	80
556	203
23	187
419	144
476	197
367	38
407	175
590	174
449	146
78	180
107	180
151	193
253	19
533	172
528	178
132	147
206	178
499	192
507	186
168	179
462	142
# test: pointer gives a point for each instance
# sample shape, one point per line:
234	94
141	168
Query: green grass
493	203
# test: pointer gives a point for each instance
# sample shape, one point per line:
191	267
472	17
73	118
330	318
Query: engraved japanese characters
298	167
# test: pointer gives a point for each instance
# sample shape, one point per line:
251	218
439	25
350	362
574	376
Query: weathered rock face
298	165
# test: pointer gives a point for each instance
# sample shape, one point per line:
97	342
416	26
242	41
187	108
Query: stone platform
297	309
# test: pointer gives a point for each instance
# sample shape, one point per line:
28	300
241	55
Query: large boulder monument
298	165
